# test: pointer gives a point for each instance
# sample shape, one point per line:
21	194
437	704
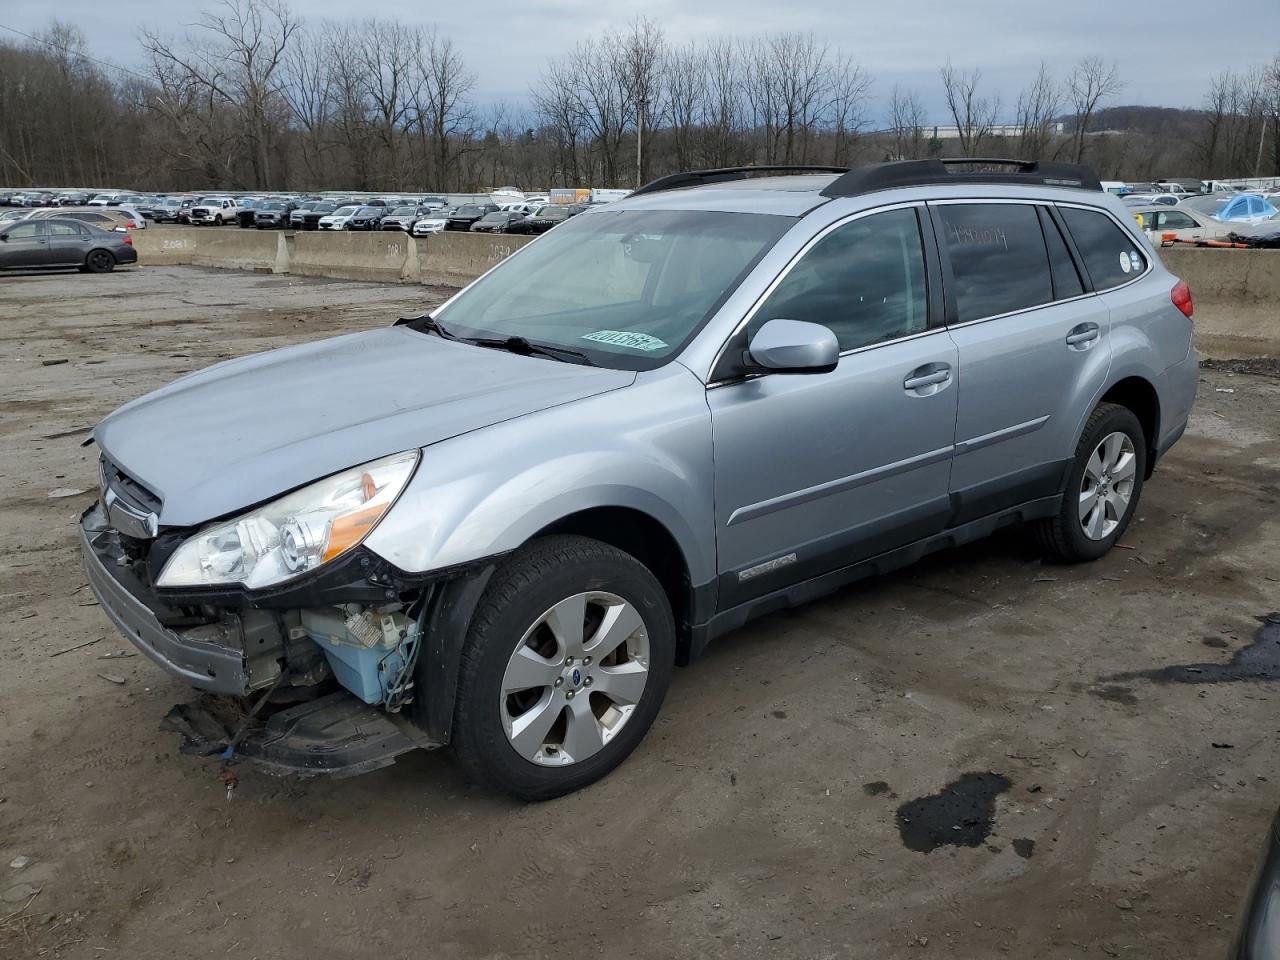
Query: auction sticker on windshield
623	338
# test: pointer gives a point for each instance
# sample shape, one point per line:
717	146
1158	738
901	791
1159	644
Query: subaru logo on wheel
577	677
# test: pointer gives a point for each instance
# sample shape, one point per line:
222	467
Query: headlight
294	534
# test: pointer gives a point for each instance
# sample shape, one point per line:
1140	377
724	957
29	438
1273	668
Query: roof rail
697	178
915	173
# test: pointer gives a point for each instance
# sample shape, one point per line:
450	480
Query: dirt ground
977	756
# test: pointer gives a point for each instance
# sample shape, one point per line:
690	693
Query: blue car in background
1246	208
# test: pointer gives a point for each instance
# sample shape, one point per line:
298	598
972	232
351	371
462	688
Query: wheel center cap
575	678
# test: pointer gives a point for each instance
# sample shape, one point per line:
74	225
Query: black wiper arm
526	348
426	324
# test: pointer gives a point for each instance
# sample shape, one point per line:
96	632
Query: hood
238	433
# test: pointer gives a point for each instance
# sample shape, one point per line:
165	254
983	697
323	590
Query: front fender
645	447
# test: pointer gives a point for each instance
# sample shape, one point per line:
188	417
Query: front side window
864	281
998	258
1109	253
25	231
1176	221
626	288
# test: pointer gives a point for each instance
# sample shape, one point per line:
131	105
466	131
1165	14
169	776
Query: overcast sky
1167	50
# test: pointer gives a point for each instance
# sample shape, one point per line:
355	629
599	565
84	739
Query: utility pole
640	142
1262	138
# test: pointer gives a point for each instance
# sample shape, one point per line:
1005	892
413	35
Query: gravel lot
819	785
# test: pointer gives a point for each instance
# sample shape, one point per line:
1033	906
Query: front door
816	471
25	245
68	244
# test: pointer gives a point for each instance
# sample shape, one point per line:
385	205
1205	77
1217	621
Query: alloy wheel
575	679
1106	488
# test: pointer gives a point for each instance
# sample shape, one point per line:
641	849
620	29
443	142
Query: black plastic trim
698	178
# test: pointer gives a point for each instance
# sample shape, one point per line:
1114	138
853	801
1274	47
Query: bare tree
906	124
445	107
685	83
974	114
1038	108
236	61
850	88
1092	82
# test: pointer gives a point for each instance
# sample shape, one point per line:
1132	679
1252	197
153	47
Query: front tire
1103	488
565	666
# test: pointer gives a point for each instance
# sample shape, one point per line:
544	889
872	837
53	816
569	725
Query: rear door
817	471
68	243
25	245
1034	350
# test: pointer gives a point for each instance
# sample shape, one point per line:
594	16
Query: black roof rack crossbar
919	173
697	178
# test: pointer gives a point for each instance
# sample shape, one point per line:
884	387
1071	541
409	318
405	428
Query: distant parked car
337	220
496	222
247	208
1151	199
432	223
403	218
73	198
367	217
464	216
273	214
104	218
552	215
311	219
136	220
214	210
1232	207
56	242
1186	225
433	203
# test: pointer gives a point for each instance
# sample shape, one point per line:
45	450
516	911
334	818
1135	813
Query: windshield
627	288
345	211
470	210
494	217
552	212
403	212
274	205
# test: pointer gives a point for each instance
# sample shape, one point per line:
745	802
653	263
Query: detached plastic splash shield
336	735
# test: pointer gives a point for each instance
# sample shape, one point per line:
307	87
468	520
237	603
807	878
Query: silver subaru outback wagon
499	527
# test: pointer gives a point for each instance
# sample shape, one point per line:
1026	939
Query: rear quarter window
1110	254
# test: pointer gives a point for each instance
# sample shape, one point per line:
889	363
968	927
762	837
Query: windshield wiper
426	324
528	349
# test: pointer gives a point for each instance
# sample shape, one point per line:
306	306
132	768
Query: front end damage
312	678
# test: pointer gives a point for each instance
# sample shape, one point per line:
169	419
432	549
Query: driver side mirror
794	346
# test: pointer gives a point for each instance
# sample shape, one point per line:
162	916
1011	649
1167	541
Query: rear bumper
204	665
126	255
1177	391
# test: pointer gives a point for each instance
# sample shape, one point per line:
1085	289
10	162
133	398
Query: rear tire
1104	485
99	261
526	619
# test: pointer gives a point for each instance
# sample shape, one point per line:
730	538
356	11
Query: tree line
254	98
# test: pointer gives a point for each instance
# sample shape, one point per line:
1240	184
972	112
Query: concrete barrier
454	259
164	246
234	249
1237	298
381	256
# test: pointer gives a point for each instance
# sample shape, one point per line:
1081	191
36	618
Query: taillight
128	239
1181	297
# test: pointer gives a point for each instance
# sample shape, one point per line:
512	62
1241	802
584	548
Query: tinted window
1110	255
1066	280
1176	221
864	281
64	230
998	258
24	231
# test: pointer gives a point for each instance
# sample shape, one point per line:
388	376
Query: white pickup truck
215	210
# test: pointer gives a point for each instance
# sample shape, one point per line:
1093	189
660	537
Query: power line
75	53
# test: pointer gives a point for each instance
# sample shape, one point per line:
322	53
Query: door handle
1083	336
927	380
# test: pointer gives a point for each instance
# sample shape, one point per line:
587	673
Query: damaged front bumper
203	663
288	654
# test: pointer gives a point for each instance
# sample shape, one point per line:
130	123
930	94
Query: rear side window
998	258
1110	255
64	230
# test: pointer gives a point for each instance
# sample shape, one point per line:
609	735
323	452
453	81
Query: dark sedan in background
367	218
552	215
497	222
467	214
1258	937
63	243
